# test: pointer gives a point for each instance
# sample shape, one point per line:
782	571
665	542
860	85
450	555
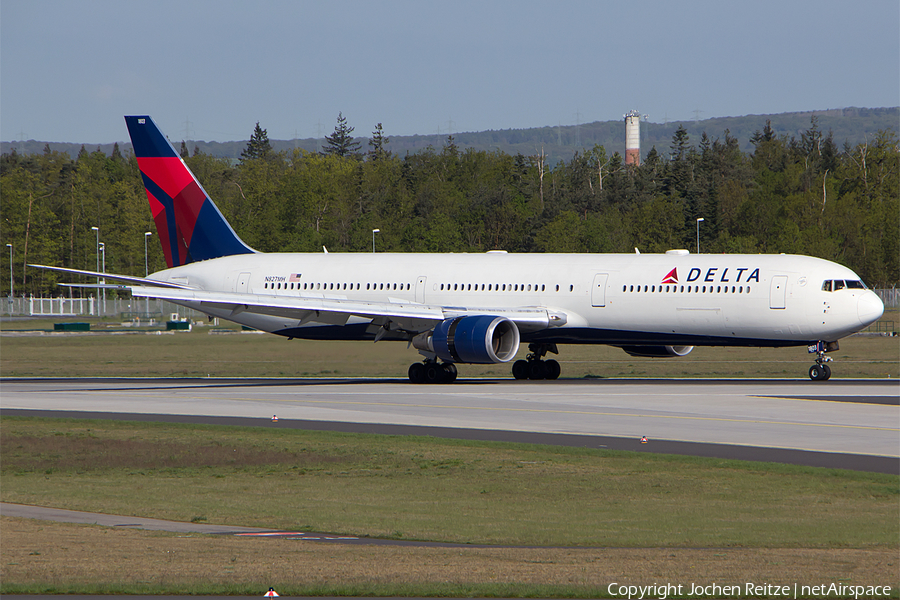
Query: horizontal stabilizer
127	279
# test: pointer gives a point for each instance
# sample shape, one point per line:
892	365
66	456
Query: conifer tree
377	143
258	146
340	143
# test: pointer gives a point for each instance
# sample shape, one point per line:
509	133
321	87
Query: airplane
477	308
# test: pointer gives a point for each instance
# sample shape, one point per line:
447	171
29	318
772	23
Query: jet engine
658	351
481	339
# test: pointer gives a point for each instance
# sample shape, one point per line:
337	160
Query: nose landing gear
821	371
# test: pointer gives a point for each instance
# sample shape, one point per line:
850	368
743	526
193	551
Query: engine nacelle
479	339
658	351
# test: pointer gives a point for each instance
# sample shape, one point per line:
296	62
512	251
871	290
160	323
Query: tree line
803	196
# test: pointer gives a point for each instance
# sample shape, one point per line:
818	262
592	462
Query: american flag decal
295	277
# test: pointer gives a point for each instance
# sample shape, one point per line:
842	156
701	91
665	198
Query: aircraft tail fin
189	224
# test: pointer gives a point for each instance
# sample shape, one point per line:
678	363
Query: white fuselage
620	299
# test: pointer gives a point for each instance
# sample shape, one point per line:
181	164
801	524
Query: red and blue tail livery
189	224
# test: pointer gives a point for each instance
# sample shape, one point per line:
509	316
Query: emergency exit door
598	292
778	291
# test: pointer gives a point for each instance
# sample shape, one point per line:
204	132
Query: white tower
633	138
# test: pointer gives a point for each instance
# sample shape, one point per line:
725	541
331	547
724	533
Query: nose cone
870	308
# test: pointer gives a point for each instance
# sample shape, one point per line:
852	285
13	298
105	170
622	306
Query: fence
890	296
125	308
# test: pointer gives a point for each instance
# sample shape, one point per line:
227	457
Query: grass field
656	517
647	519
199	353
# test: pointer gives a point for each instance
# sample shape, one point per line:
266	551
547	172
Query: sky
210	69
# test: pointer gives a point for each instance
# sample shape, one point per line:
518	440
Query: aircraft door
242	285
778	291
420	290
598	292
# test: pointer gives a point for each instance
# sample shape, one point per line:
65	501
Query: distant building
633	138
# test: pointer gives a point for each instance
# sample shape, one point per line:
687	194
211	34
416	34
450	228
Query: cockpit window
839	284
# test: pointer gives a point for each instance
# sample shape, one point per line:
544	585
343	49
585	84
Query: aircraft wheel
819	373
434	373
537	370
520	369
553	369
827	372
417	373
450	372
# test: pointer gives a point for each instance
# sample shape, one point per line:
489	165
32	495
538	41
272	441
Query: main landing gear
432	371
821	371
534	367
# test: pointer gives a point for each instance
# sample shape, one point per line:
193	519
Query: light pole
698	234
11	293
374	231
97	231
103	281
147	235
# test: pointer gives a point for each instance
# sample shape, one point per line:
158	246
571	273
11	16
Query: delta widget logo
715	275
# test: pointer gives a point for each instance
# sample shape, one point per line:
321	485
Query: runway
851	424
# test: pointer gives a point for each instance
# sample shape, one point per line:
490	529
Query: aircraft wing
405	316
